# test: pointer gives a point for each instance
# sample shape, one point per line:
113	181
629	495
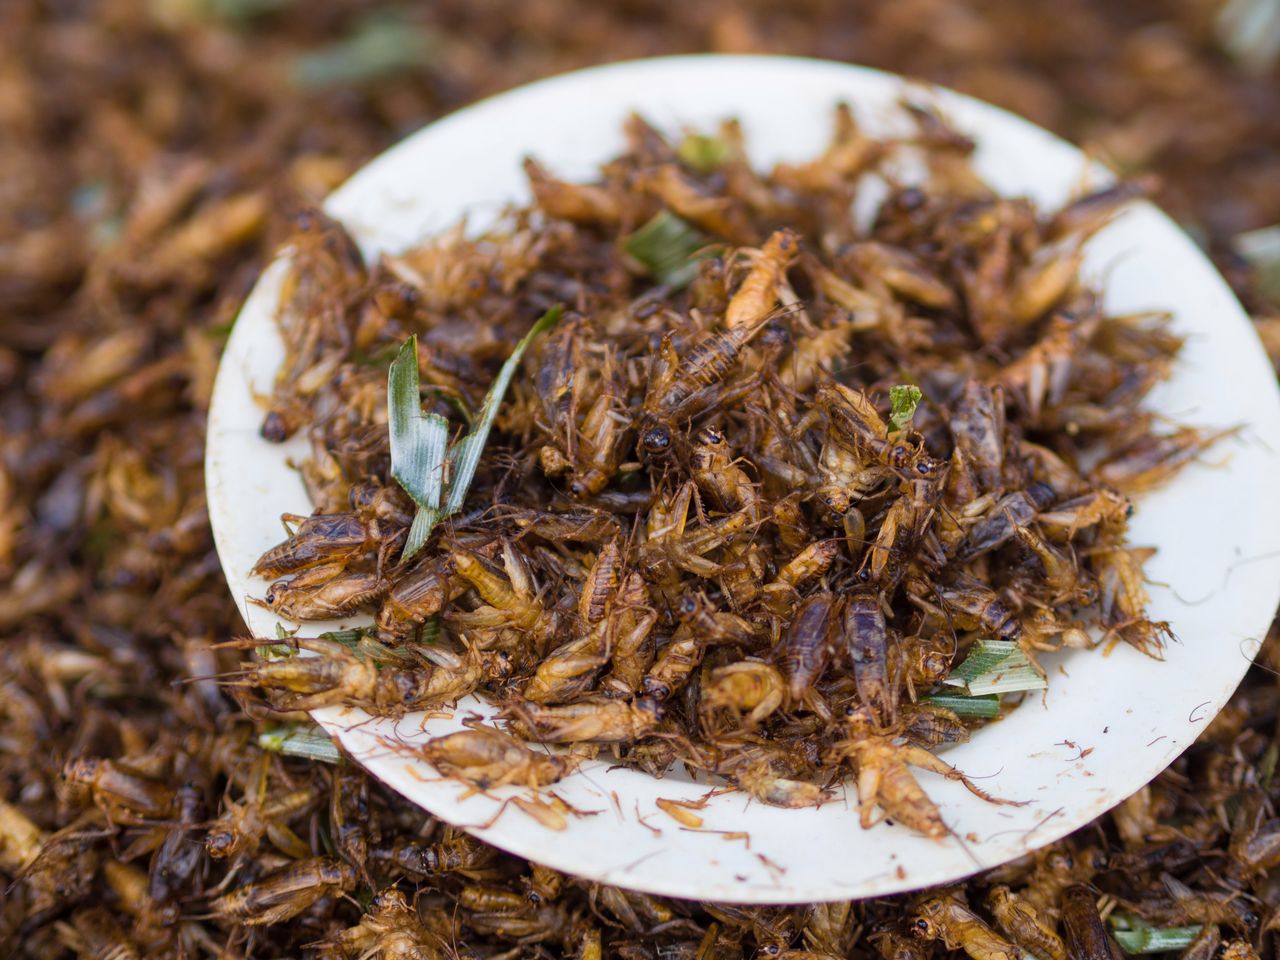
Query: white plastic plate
1109	723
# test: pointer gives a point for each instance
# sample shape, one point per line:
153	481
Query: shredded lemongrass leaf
1261	248
1267	766
903	400
300	740
380	45
703	152
996	666
436	475
984	707
1249	30
668	248
1135	936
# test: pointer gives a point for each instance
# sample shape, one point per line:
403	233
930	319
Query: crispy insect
94	932
486	758
338	676
457	853
391	930
678	659
603	438
261	813
285	893
717	474
884	777
683	386
124	794
325	539
1086	933
588	721
864	639
1020	921
349	818
631	641
756	297
781	593
54	869
180	854
1151	460
511	600
413	599
947	919
324	592
805	649
752	687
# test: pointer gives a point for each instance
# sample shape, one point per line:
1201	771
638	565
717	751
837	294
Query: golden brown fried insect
324	593
261	813
458	853
1020	922
485	757
325	539
718	476
350	816
757	296
631	639
1151	460
781	594
588	721
1085	932
884	777
947	919
180	855
805	649
864	639
511	600
683	386
55	870
94	933
722	216
414	599
603	438
703	625
970	605
930	725
338	676
581	203
124	794
285	893
750	687
391	930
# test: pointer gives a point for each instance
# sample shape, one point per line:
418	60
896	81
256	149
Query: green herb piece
419	442
1144	939
1249	30
381	45
1267	766
1261	248
703	153
300	740
985	707
436	475
903	400
996	666
668	248
430	632
240	10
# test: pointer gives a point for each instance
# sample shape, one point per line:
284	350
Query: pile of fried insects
779	495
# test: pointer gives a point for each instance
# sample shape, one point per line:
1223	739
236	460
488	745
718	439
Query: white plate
1108	725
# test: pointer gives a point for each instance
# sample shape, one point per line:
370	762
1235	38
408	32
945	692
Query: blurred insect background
152	153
